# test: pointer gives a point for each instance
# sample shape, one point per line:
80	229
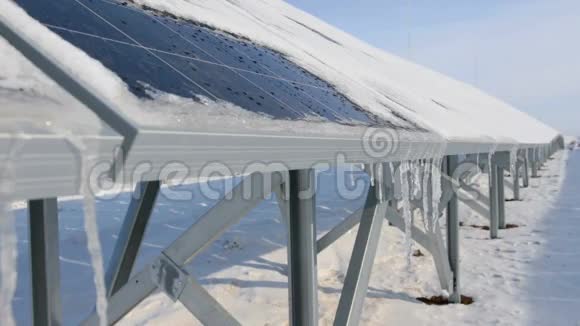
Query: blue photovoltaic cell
153	49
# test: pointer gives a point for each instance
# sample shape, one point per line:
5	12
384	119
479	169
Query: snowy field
530	276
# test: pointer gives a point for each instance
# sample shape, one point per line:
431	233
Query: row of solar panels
192	61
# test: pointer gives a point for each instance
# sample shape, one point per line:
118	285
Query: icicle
8	263
372	174
8	238
436	190
407	217
417	179
489	159
380	180
513	160
425	195
93	242
91	227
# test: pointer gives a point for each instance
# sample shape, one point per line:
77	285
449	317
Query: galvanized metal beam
45	262
501	198
179	286
131	235
452	162
339	230
533	158
230	210
303	283
362	258
126	298
204	307
493	199
432	242
526	175
516	177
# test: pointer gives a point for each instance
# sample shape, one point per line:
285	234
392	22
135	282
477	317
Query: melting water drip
88	156
93	241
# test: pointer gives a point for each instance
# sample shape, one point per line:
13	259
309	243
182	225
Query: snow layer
365	74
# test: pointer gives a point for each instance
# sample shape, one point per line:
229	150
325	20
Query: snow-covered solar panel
234	83
153	52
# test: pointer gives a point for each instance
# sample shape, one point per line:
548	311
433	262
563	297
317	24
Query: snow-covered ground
529	276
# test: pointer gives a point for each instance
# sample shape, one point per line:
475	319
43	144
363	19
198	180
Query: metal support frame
452	162
533	159
516	179
501	197
174	281
493	198
131	235
303	281
362	258
44	261
526	175
431	241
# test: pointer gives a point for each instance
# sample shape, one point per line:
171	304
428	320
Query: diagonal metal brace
179	286
215	222
167	276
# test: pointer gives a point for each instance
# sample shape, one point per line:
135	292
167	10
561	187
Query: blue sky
526	52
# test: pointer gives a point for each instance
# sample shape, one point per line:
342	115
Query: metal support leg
303	284
45	268
517	181
493	199
130	236
526	176
535	169
453	232
359	270
501	198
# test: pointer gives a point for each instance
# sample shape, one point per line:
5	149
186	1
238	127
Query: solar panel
152	51
156	53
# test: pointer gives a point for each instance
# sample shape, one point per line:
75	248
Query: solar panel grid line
188	41
305	93
128	36
179	55
229	67
128	7
347	77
